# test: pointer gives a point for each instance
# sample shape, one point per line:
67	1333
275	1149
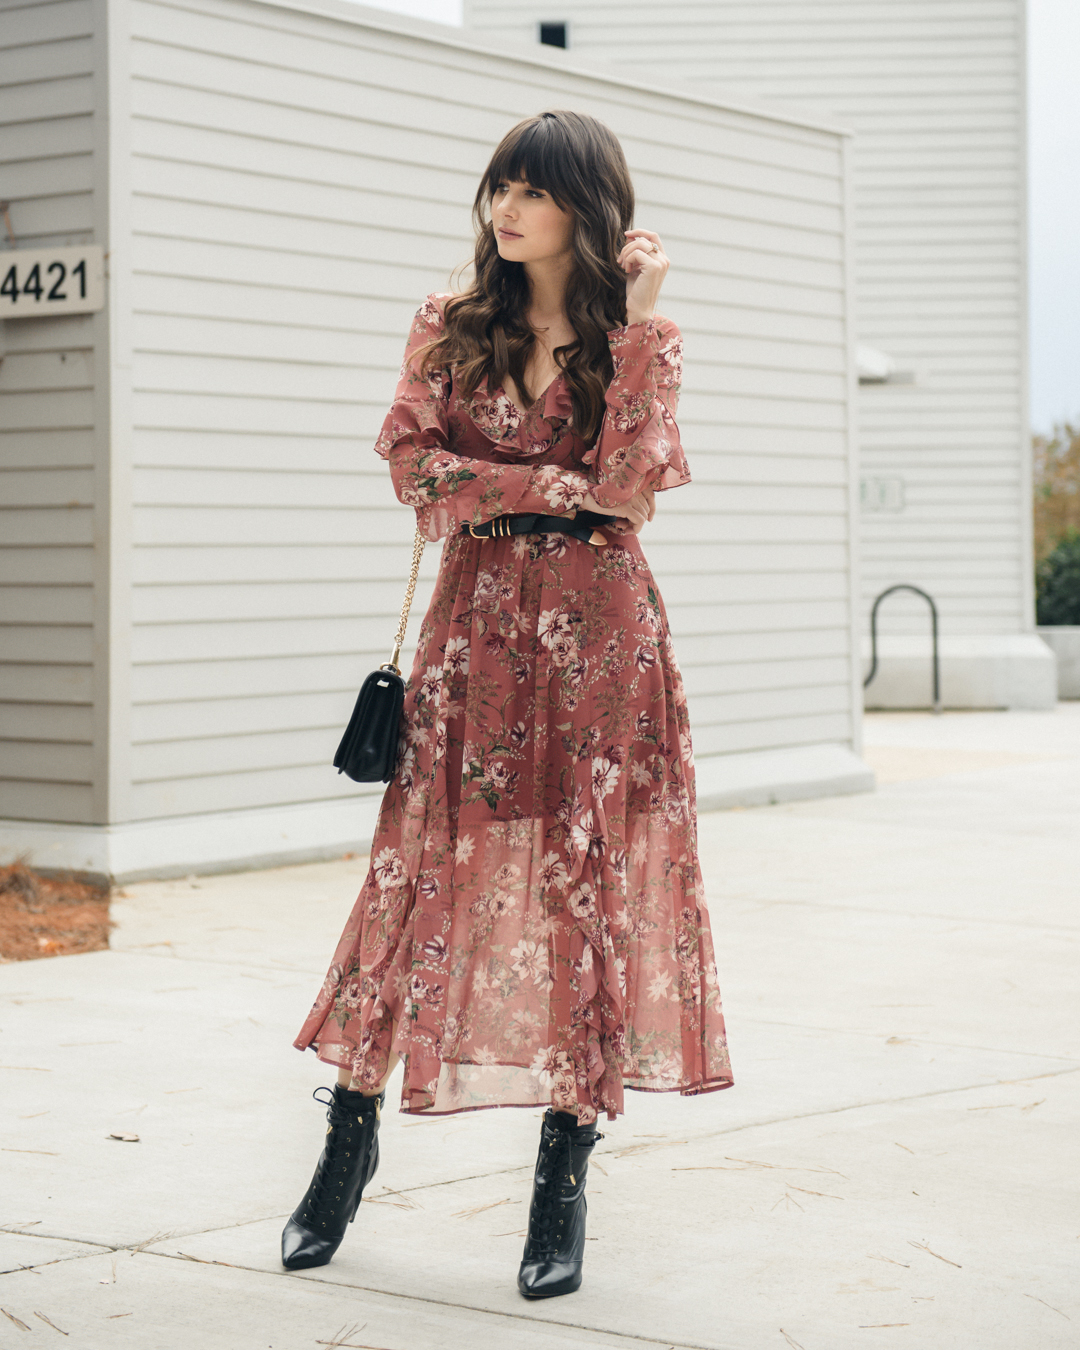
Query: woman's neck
547	289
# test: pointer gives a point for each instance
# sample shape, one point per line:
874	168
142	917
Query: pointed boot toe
549	1278
301	1248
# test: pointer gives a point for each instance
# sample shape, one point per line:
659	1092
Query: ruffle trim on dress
595	898
639	445
654	459
517	434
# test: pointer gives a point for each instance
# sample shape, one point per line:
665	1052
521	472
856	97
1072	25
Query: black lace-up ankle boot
556	1242
346	1165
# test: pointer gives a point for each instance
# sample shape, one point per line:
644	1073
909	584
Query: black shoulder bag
369	749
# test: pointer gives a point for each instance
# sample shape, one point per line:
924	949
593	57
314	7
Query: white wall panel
47	476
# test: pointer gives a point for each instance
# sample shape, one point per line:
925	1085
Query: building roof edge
402	25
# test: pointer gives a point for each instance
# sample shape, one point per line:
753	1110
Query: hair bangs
536	155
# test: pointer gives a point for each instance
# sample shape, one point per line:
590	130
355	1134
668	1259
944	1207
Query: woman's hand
646	264
637	512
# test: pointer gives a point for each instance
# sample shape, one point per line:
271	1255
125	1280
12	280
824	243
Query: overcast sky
1054	209
1054	201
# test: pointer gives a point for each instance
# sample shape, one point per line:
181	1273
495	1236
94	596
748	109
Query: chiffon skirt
532	928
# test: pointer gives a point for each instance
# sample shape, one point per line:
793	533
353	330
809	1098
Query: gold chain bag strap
369	748
410	591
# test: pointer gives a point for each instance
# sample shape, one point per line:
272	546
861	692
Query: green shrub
1056	462
1057	582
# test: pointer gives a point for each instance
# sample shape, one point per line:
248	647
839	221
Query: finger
640	246
648	237
644	246
641	264
641	260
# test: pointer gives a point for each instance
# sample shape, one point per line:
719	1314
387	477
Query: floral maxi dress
532	928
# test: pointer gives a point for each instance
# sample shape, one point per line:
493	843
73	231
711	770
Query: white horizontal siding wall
934	93
48	726
298	182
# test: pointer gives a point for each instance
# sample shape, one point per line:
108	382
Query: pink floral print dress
533	928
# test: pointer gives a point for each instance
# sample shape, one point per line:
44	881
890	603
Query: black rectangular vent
553	34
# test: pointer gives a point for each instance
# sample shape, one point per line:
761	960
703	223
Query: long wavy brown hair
579	161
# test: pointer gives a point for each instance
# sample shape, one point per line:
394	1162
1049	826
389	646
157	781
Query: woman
532	929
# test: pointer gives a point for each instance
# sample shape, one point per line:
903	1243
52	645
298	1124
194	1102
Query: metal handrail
904	586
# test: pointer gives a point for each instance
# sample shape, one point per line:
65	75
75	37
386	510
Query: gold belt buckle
500	529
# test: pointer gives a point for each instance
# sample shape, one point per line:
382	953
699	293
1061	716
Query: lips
508	234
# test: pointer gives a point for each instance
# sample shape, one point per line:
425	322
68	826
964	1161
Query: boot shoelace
548	1199
336	1157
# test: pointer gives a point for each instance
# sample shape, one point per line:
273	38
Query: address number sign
38	282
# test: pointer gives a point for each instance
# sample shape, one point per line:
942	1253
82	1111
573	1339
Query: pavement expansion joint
59	1260
457	1181
877	1101
102	1247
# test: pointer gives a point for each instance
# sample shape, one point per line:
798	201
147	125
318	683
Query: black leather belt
580	526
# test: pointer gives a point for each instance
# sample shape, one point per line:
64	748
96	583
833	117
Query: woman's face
529	226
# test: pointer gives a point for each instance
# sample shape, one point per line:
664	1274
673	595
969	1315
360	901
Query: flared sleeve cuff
639	446
449	491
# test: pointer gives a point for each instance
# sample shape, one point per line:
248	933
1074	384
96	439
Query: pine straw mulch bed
50	915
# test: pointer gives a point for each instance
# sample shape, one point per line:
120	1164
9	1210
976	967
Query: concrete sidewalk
895	1167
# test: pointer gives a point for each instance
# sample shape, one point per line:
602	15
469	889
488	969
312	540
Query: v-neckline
540	398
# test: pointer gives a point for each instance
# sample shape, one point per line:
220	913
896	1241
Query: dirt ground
50	915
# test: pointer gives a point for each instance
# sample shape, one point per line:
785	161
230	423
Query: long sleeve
446	489
638	446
